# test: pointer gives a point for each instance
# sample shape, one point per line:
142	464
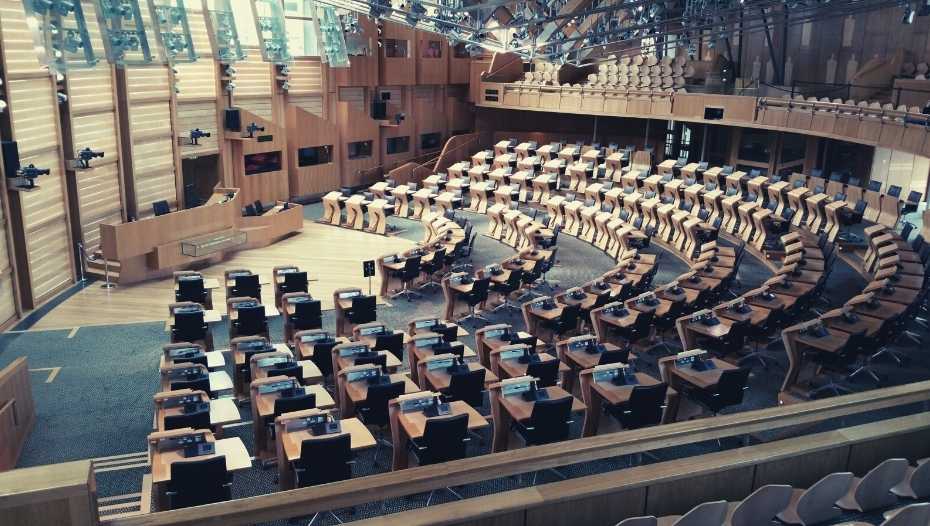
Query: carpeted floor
100	402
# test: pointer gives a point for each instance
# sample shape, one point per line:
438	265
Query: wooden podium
157	246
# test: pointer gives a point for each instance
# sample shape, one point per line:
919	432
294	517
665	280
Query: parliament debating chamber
464	263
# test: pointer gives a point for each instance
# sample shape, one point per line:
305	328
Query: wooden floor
331	255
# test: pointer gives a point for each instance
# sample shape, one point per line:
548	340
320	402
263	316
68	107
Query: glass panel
394	48
315	155
793	147
359	150
245	23
301	37
755	146
398	145
430	141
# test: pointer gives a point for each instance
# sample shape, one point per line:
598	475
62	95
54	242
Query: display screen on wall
430	141
359	150
398	145
314	155
257	163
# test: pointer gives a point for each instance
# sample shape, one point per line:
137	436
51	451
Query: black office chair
407	275
289	404
549	242
644	407
731	343
188	327
247	287
392	343
307	315
289	369
160	208
546	372
251	321
477	295
566	322
665	324
373	411
196	420
191	289
199	482
324	460
449	333
835	364
376	359
363	310
639	330
507	288
728	391
201	383
433	269
294	282
467	387
323	357
548	423
443	440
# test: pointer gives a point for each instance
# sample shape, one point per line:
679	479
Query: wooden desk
222	411
352	393
270	312
412	425
884	311
290	443
263	410
506	409
514	369
866	324
678	377
689	330
440	379
595	394
208	284
210	316
237	458
393	364
262	281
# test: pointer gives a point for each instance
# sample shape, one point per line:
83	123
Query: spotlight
909	14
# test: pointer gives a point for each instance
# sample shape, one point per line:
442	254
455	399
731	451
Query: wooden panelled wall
860	36
197	89
39	218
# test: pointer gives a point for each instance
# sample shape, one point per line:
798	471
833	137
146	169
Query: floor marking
51	375
73	332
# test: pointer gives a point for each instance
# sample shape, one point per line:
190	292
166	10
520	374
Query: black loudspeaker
10	158
385	95
378	110
232	121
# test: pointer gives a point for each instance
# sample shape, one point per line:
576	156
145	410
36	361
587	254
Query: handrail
305	501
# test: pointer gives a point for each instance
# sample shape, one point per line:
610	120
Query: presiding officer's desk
167	447
263	393
597	388
508	405
352	386
291	433
156	246
171	403
408	421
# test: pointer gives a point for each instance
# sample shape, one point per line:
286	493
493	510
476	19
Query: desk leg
399	440
592	402
672	401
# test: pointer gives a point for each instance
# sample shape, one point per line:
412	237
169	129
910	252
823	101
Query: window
432	49
359	149
258	163
245	23
430	141
394	48
754	146
459	51
398	145
314	155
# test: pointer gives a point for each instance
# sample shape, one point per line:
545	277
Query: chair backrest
639	521
439	260
324	460
197	420
569	317
411	268
323	358
378	359
291	369
247	286
874	489
731	385
705	514
444	439
615	356
816	505
762	505
191	290
513	280
289	404
375	408
199	384
197	482
920	480
549	420
645	406
189	326
295	282
251	320
392	343
913	515
547	372
468	387
480	289
308	315
364	309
